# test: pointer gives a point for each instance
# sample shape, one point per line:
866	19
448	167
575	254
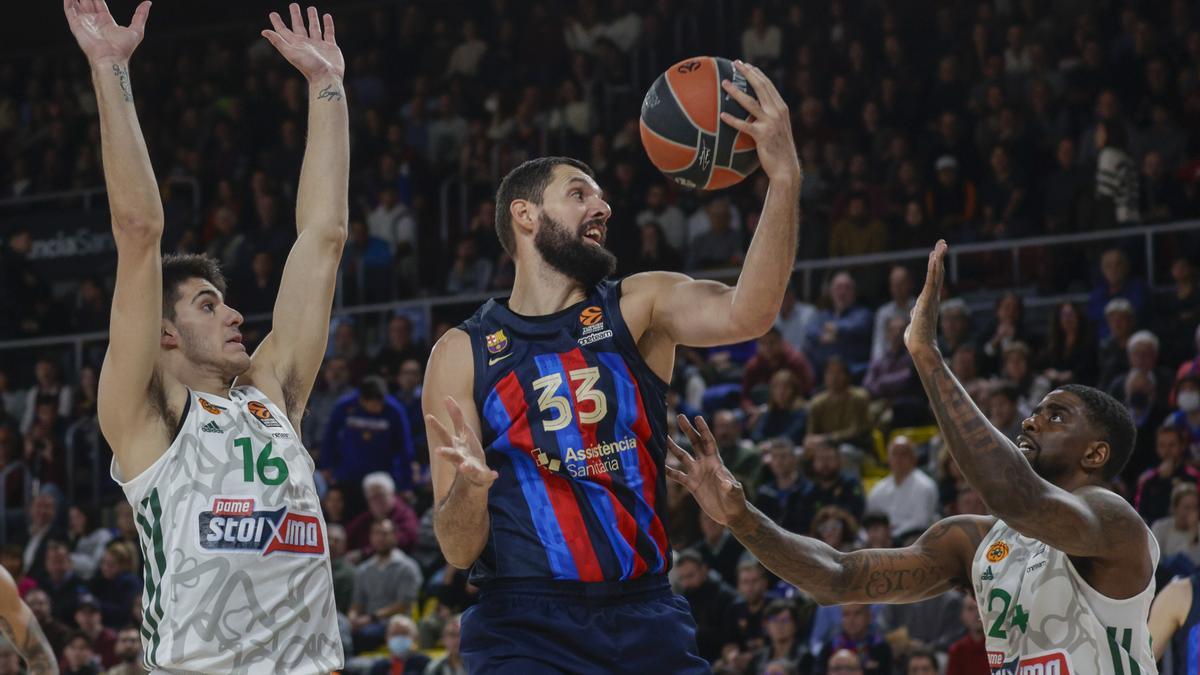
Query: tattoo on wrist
122	73
329	93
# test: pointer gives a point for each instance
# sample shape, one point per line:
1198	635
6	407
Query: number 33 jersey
236	562
1041	618
574	422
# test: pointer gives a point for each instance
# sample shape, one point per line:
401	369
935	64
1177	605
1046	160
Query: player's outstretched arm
457	464
22	631
291	355
1092	522
706	313
938	561
1168	613
137	222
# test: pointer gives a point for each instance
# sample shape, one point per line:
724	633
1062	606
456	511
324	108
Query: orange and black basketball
682	129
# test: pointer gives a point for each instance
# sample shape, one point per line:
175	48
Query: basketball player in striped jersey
1063	571
204	436
548	413
1175	625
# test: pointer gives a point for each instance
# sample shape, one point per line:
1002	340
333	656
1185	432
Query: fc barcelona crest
497	342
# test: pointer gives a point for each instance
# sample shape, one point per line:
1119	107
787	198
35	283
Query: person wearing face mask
403	658
1187	415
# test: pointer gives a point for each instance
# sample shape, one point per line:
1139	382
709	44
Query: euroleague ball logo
591	316
262	413
688	67
997	552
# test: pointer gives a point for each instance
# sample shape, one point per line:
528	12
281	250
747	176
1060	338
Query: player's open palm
463	449
705	475
312	49
102	39
770	124
922	330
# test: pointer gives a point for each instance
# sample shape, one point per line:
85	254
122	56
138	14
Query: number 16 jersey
574	422
236	564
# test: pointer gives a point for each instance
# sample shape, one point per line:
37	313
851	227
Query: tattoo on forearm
329	93
122	73
35	648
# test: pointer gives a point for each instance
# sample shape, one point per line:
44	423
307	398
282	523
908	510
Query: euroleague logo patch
234	526
591	316
263	414
210	408
997	552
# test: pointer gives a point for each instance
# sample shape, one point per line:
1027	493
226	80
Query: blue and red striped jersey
574	421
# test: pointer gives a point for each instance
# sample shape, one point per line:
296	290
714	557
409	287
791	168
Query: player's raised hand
312	49
464	450
770	124
102	39
705	475
922	330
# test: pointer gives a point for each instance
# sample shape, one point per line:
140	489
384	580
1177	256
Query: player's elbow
136	228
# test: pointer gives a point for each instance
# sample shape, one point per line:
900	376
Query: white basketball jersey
236	560
1041	618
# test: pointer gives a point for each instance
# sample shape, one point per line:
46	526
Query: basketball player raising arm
22	631
1090	557
661	309
210	469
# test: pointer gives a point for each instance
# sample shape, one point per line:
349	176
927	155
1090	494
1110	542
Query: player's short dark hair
177	268
1112	421
528	181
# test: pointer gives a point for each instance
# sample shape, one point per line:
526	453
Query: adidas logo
987	574
212	428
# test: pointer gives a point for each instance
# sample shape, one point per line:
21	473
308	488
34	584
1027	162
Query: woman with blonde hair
1179	533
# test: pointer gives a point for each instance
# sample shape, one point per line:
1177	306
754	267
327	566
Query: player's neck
201	379
539	289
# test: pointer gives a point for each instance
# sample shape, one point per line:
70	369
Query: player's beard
567	252
191	344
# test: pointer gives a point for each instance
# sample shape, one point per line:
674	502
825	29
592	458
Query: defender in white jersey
204	436
1064	572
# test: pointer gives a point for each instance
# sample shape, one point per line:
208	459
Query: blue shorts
537	626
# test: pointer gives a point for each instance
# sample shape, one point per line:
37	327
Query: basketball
682	130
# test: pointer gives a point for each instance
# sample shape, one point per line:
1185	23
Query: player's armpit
938	561
695	312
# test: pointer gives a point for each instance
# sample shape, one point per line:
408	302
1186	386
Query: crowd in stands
974	122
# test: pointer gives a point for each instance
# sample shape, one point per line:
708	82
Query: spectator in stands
783	417
379	492
59	581
709	598
742	625
843	330
368	431
1006	328
1069	354
859	637
906	494
743	459
78	658
1117	191
839	413
785	642
844	662
1179	533
87	544
403	656
343	570
1003	198
951	202
346	346
1192	365
333	505
794	318
955	323
116	586
1002	409
835	527
1153	497
91	310
926	626
921	661
1143	389
830	487
717	243
1179	312
1015	370
968	656
670	218
366	270
781	496
899	306
1187	417
43	528
774	355
42	608
102	640
400	347
408	387
1063	190
450	662
386	585
1114	268
12	401
47	388
334	384
1160	199
393	223
1113	355
469	273
128	652
892	379
721	550
653	253
859	233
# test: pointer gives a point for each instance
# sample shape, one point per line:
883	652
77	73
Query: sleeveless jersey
1041	618
237	573
574	422
1185	643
